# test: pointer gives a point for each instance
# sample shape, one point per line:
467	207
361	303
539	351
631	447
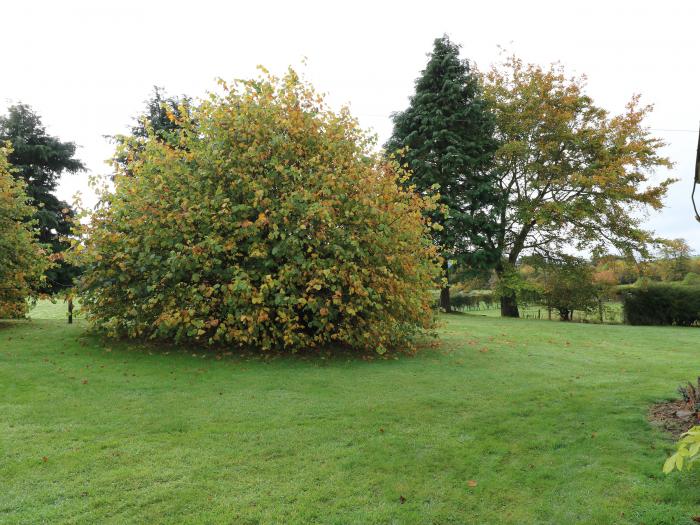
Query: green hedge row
662	304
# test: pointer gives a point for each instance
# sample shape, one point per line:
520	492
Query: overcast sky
87	67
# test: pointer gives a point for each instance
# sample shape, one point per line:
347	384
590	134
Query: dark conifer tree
446	137
161	114
40	159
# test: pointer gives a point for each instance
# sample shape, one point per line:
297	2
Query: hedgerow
662	304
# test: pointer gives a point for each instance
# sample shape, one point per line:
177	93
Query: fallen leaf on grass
472	483
44	459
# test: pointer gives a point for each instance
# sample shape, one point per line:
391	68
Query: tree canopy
270	224
39	160
572	175
446	139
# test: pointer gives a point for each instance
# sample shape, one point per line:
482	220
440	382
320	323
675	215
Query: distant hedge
662	304
692	279
472	300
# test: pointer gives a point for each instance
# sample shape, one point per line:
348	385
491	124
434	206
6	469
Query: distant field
612	313
57	309
505	422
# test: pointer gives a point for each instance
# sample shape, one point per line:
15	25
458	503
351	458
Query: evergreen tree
162	113
446	137
39	160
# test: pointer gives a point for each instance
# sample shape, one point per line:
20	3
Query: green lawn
549	420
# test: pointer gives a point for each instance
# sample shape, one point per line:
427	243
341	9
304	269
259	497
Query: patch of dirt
672	417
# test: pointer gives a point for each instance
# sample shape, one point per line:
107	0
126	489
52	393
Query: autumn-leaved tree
22	258
270	224
675	259
573	176
446	139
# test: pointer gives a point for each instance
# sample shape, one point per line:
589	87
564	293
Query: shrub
687	453
566	285
691	279
662	304
22	258
270	225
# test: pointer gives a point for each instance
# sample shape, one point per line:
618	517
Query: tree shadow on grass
314	356
11	323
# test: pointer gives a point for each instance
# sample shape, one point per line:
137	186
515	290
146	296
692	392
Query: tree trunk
445	292
445	299
509	304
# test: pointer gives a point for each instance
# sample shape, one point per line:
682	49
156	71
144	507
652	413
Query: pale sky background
87	67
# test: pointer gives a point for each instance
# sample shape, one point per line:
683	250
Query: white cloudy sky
87	66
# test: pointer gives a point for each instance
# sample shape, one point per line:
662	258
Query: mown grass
506	422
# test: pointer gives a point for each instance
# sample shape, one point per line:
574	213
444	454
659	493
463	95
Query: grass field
506	422
612	313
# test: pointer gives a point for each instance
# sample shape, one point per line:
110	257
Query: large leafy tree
39	160
22	259
572	175
446	139
271	224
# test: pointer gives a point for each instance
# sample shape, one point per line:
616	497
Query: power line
678	130
675	130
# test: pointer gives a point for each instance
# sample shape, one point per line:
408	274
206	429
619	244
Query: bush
691	279
269	225
687	452
662	304
22	258
565	285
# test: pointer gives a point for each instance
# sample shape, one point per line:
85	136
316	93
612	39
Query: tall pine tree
446	137
39	160
161	114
